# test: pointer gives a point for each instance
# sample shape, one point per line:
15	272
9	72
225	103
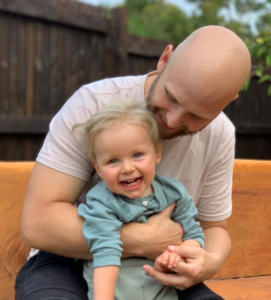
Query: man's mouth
162	123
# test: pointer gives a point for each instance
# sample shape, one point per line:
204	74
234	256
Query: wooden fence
250	114
48	49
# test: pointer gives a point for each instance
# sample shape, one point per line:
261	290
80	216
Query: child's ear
158	154
95	165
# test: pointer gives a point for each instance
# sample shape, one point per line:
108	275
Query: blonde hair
119	111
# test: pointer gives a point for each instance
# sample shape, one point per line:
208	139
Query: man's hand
162	230
151	239
200	264
167	261
188	273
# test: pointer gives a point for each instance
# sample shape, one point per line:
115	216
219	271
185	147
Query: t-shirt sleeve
215	201
64	149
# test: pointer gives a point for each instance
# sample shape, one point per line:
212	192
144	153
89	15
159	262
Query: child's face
126	159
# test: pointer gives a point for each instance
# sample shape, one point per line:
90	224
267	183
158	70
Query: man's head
198	80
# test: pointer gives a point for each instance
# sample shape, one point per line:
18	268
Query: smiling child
124	146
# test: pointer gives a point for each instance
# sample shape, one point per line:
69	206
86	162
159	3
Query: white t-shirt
202	162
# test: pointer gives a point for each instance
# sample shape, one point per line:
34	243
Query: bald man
187	93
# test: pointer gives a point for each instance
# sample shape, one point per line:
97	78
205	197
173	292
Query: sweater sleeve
185	213
102	232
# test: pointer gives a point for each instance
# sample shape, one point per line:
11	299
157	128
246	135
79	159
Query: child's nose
127	167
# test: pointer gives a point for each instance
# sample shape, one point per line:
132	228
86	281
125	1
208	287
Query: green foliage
138	5
234	16
207	12
260	50
159	20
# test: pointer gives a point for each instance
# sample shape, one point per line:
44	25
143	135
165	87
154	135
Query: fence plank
4	66
67	12
30	70
145	47
25	125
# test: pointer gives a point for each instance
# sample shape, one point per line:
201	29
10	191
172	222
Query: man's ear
158	154
164	57
95	165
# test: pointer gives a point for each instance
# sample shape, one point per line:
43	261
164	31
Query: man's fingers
167	212
185	252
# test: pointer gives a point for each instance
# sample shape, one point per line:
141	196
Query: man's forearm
218	244
56	229
50	221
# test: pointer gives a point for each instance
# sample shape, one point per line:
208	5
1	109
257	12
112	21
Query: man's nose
127	167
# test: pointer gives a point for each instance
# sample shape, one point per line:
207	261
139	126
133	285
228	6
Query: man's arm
200	263
217	244
51	223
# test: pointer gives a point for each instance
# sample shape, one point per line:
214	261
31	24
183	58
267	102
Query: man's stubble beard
165	134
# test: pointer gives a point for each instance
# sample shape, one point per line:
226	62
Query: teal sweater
105	213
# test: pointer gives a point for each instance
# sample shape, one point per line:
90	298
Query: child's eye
137	155
113	161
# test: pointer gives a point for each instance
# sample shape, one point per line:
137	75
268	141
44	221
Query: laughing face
126	159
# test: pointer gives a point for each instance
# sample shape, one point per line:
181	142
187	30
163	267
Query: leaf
260	52
268	60
259	40
258	73
246	85
264	78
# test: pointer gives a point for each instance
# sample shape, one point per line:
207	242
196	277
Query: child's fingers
171	260
165	258
157	264
177	259
174	259
159	259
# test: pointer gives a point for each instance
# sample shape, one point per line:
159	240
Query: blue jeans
48	276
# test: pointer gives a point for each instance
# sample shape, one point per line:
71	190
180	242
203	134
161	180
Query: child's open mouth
132	183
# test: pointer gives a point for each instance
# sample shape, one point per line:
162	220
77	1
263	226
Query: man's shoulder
222	122
93	96
114	85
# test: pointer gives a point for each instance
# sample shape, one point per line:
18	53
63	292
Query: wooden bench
245	275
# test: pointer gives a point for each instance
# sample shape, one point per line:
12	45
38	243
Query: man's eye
137	155
173	100
195	117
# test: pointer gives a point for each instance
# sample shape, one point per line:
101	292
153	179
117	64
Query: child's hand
167	261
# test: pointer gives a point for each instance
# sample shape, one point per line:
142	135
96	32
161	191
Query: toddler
124	146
